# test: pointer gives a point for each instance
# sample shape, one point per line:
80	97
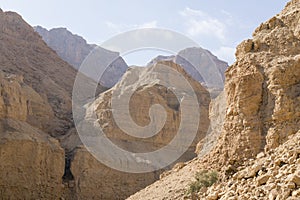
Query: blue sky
217	25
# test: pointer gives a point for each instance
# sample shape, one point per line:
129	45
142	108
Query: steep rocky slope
31	162
146	82
273	175
35	104
74	49
262	91
24	53
71	48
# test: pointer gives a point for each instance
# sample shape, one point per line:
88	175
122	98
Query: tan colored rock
24	53
94	180
119	185
31	162
213	196
294	178
262	179
262	89
19	101
146	96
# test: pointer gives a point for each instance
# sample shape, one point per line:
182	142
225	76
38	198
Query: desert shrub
203	178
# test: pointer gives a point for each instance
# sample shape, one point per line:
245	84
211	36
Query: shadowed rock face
71	48
202	65
74	50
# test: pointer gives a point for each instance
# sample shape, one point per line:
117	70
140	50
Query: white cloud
152	24
118	28
226	54
201	24
188	12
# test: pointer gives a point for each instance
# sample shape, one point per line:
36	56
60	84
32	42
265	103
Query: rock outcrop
31	162
35	104
71	48
262	88
74	49
20	102
94	180
24	53
147	85
262	119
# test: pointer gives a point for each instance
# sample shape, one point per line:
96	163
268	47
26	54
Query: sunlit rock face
148	89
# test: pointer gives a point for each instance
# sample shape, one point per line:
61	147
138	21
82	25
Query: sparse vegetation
203	178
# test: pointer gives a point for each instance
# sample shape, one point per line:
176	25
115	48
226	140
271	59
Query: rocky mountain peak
74	49
202	65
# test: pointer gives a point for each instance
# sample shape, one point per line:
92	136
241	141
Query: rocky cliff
31	162
35	102
262	115
262	89
24	53
74	49
148	89
35	108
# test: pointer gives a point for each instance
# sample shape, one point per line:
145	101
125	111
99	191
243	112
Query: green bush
203	178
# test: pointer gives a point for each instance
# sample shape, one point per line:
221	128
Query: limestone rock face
74	49
256	155
210	67
35	91
71	48
148	91
262	88
24	53
19	101
145	96
31	162
97	181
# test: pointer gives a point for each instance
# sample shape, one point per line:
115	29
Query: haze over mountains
249	134
201	64
74	49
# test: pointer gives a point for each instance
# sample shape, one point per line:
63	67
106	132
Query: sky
216	25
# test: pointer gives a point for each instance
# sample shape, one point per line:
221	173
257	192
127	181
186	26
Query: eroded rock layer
31	162
256	155
148	90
